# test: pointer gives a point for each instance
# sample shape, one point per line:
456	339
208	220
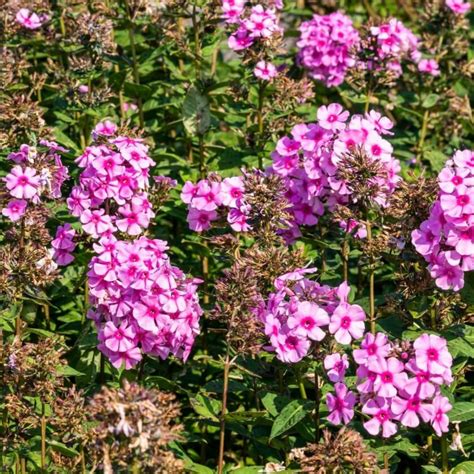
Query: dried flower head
133	428
344	451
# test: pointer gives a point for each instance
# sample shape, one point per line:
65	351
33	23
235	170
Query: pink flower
424	383
429	66
208	196
105	128
265	71
232	191
238	220
379	408
128	359
307	319
458	6
200	220
347	322
29	19
133	222
461	202
332	117
336	366
390	376
240	40
341	405
408	408
439	419
188	192
119	339
426	238
447	276
15	209
431	353
291	348
96	222
372	348
22	184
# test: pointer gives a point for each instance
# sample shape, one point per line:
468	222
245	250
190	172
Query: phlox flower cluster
300	312
208	200
142	303
30	20
112	190
313	161
325	47
396	384
446	238
252	24
37	175
395	43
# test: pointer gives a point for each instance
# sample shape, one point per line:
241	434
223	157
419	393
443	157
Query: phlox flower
408	409
347	323
429	66
332	117
129	358
133	222
29	19
265	71
238	220
427	237
341	405
307	321
291	348
119	339
200	220
439	419
15	209
96	222
382	417
459	7
431	354
105	128
336	366
372	348
232	191
208	196
22	183
391	376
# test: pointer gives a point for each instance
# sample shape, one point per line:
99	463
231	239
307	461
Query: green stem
345	258
43	438
317	402
225	389
136	74
301	384
261	97
429	442
421	142
371	280
444	455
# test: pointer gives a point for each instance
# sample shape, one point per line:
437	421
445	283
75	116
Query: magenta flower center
463	200
307	323
23	180
457	180
387	377
382	416
345	322
372	349
432	354
332	118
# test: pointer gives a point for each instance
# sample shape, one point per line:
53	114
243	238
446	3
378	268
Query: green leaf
206	407
292	414
436	159
462	411
68	371
430	100
196	113
198	468
466	467
63	449
137	90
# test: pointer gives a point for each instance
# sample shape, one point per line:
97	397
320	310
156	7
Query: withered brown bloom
341	452
133	426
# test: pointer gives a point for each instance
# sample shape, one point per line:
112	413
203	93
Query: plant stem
345	259
225	389
317	401
429	442
444	455
261	97
421	142
136	74
43	438
301	384
197	44
371	280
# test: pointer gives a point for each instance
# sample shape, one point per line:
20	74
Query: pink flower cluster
63	245
446	238
207	197
142	303
311	159
395	43
325	46
112	189
38	174
395	384
29	19
301	311
253	23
